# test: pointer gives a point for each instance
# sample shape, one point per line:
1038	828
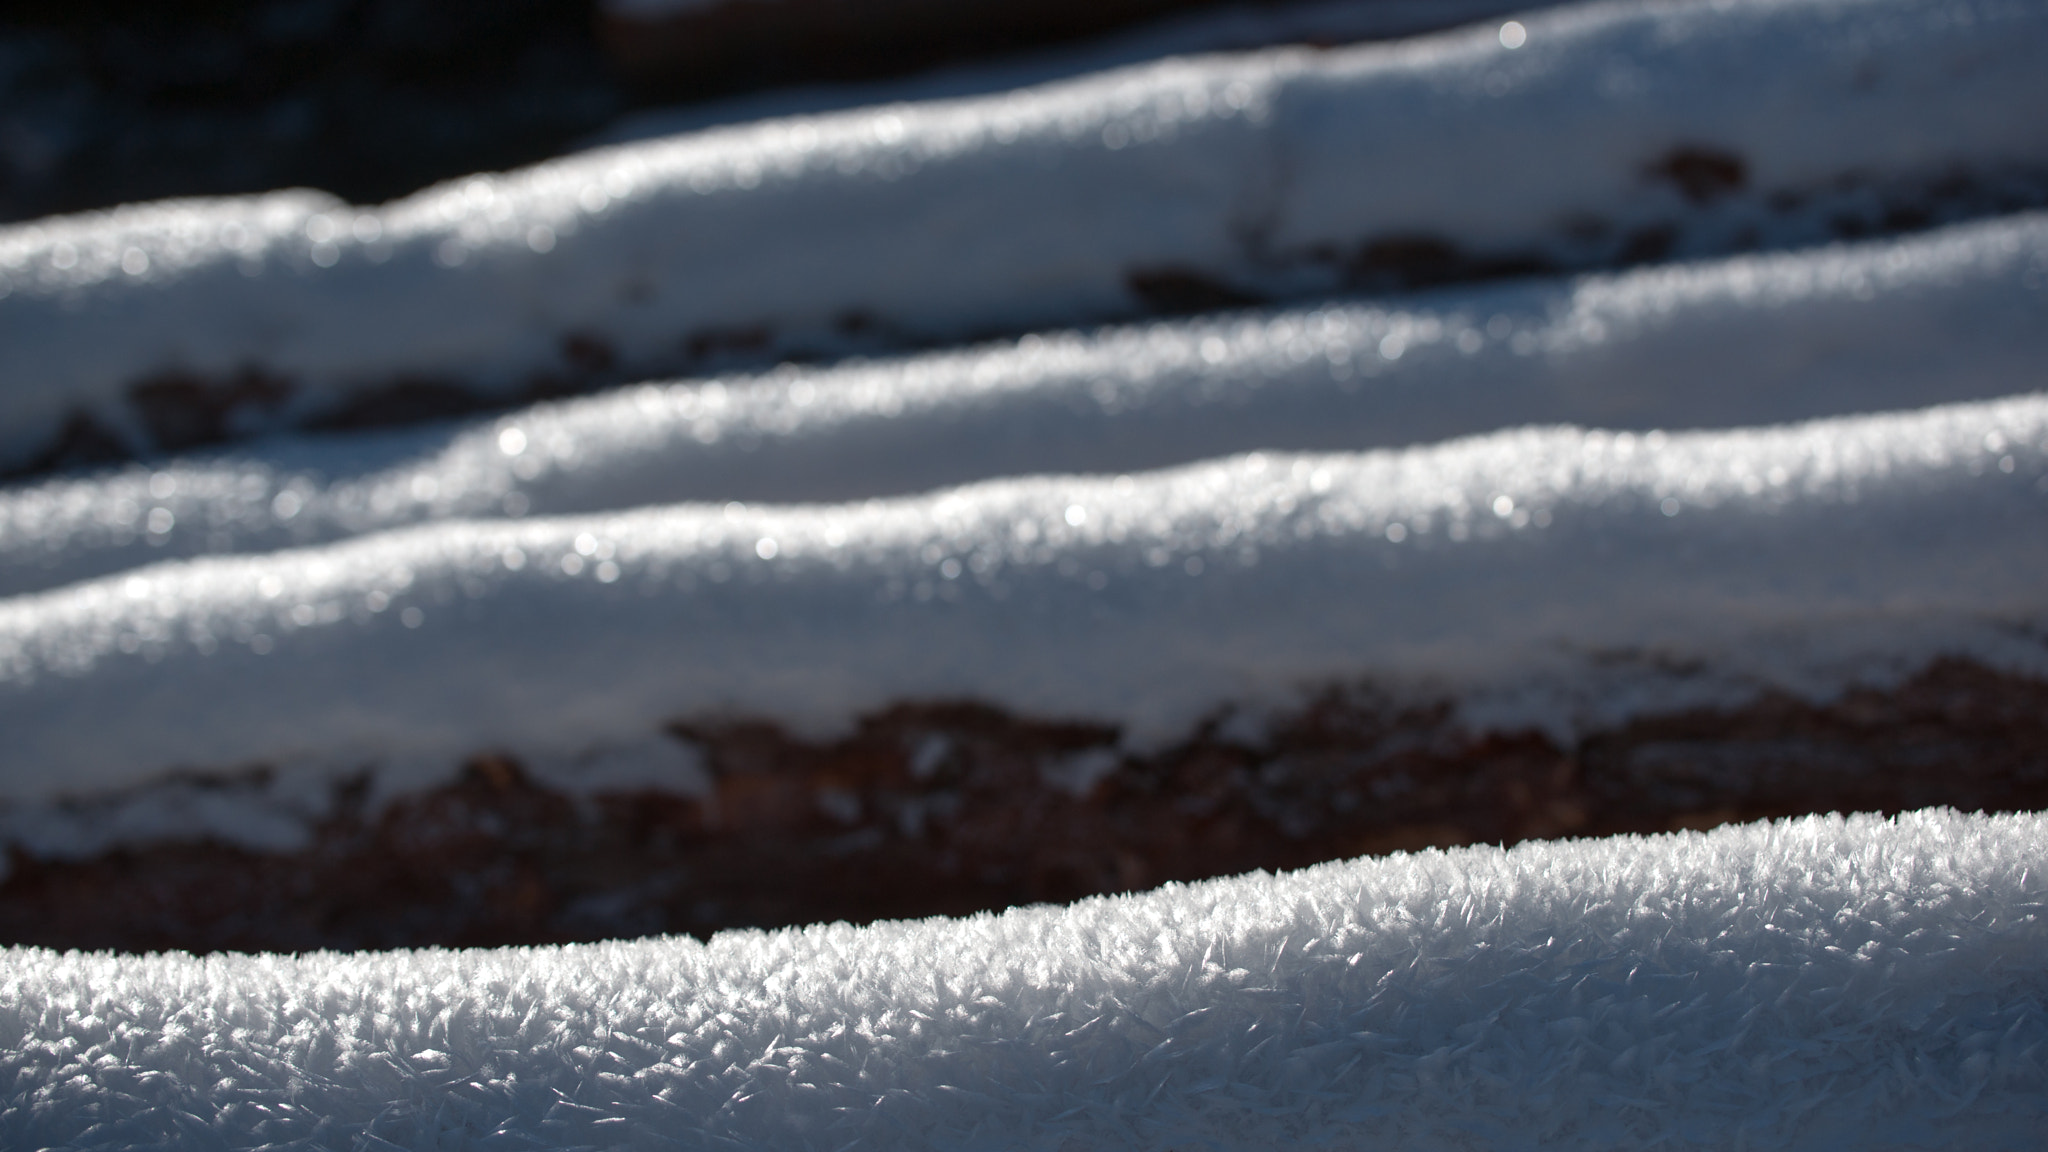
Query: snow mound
1614	133
1951	315
1816	984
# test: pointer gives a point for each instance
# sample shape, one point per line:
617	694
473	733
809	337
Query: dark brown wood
953	808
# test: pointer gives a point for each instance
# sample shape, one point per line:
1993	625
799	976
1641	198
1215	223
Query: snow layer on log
1614	132
1958	314
1544	576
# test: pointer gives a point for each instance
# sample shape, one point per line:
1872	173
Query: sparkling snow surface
1549	576
1819	984
938	220
1957	314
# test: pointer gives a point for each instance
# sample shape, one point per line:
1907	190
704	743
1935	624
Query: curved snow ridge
1957	314
1530	574
1692	990
1616	132
1203	30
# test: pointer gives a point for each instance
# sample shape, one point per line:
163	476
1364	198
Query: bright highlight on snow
1816	984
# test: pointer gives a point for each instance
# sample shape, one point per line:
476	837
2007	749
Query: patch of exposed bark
1702	174
952	808
1177	291
181	410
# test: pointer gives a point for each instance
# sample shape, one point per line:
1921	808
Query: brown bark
954	808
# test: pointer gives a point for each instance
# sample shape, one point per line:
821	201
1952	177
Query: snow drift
1821	983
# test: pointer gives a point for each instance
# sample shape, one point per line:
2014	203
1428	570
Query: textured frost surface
1550	576
1959	314
1818	984
1263	172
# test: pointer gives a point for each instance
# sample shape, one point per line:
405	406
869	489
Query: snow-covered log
1605	133
1957	314
1543	576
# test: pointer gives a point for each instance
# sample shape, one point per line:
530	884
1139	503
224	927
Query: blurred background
109	101
105	102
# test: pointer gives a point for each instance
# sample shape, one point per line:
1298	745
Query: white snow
1957	314
934	221
1817	984
1545	576
1197	31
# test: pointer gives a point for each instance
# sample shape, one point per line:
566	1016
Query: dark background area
109	101
106	101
